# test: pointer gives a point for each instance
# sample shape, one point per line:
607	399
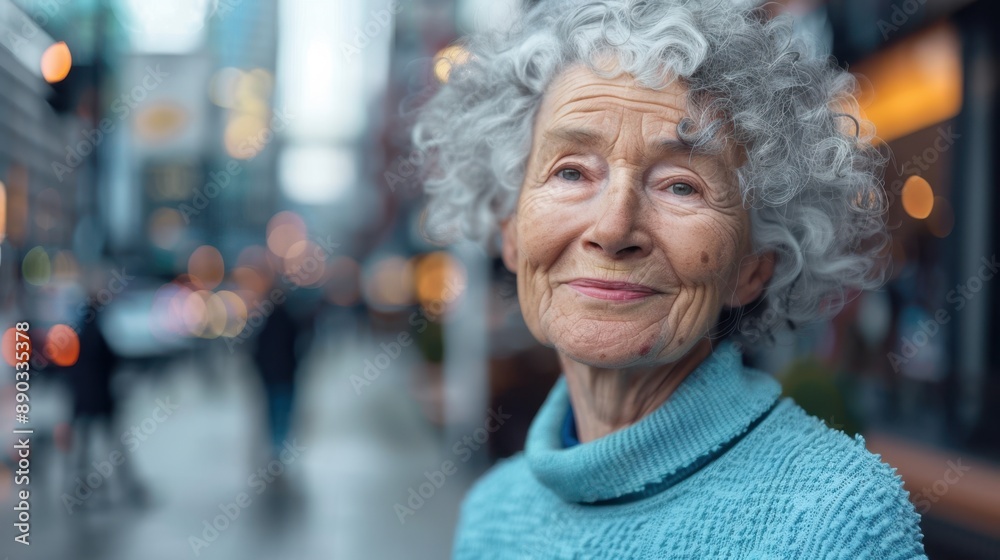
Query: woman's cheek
544	229
704	252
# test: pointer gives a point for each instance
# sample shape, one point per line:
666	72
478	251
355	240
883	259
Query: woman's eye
681	189
569	174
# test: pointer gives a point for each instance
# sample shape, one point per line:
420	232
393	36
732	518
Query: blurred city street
334	501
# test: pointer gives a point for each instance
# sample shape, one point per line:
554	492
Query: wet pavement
210	489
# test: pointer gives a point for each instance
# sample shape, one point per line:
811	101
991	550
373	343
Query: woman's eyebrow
578	136
664	147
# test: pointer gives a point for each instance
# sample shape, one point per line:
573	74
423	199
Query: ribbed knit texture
723	469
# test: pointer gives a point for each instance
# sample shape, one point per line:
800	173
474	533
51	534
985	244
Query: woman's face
626	243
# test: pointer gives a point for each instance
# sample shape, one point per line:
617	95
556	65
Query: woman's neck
607	400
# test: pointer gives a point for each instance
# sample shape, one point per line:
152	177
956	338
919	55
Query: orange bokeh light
206	265
56	62
62	346
284	231
912	84
438	278
918	197
305	265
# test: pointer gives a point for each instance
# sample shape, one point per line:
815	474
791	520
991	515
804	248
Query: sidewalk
335	499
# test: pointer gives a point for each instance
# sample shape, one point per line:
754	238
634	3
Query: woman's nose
618	230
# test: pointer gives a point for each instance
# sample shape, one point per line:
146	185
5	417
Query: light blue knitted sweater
723	469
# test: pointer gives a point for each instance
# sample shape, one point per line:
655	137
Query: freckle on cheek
704	257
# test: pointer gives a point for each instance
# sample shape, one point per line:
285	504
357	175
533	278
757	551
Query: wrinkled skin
611	194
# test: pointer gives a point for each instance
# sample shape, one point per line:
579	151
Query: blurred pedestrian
276	357
95	419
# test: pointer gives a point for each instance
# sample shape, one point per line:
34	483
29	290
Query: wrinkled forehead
589	109
578	82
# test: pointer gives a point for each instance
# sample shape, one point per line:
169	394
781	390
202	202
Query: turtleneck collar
715	404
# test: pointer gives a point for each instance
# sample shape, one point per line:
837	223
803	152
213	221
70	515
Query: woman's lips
614	291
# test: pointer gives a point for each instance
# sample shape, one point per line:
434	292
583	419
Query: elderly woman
670	180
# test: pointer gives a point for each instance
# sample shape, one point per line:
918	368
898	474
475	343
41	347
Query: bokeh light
62	346
244	136
236	313
167	319
448	58
160	122
222	89
36	267
251	280
284	231
252	91
390	283
64	266
166	227
190	282
194	312
306	264
216	316
56	62
439	280
207	266
918	197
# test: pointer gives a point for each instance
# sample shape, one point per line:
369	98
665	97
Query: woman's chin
602	357
633	350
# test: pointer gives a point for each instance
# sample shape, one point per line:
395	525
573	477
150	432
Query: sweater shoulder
500	479
495	497
857	504
811	445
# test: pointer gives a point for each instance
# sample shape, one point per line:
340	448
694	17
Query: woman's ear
755	272
508	239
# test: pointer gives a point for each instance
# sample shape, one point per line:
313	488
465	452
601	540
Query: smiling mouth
611	291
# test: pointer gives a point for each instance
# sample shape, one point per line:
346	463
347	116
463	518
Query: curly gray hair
811	176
